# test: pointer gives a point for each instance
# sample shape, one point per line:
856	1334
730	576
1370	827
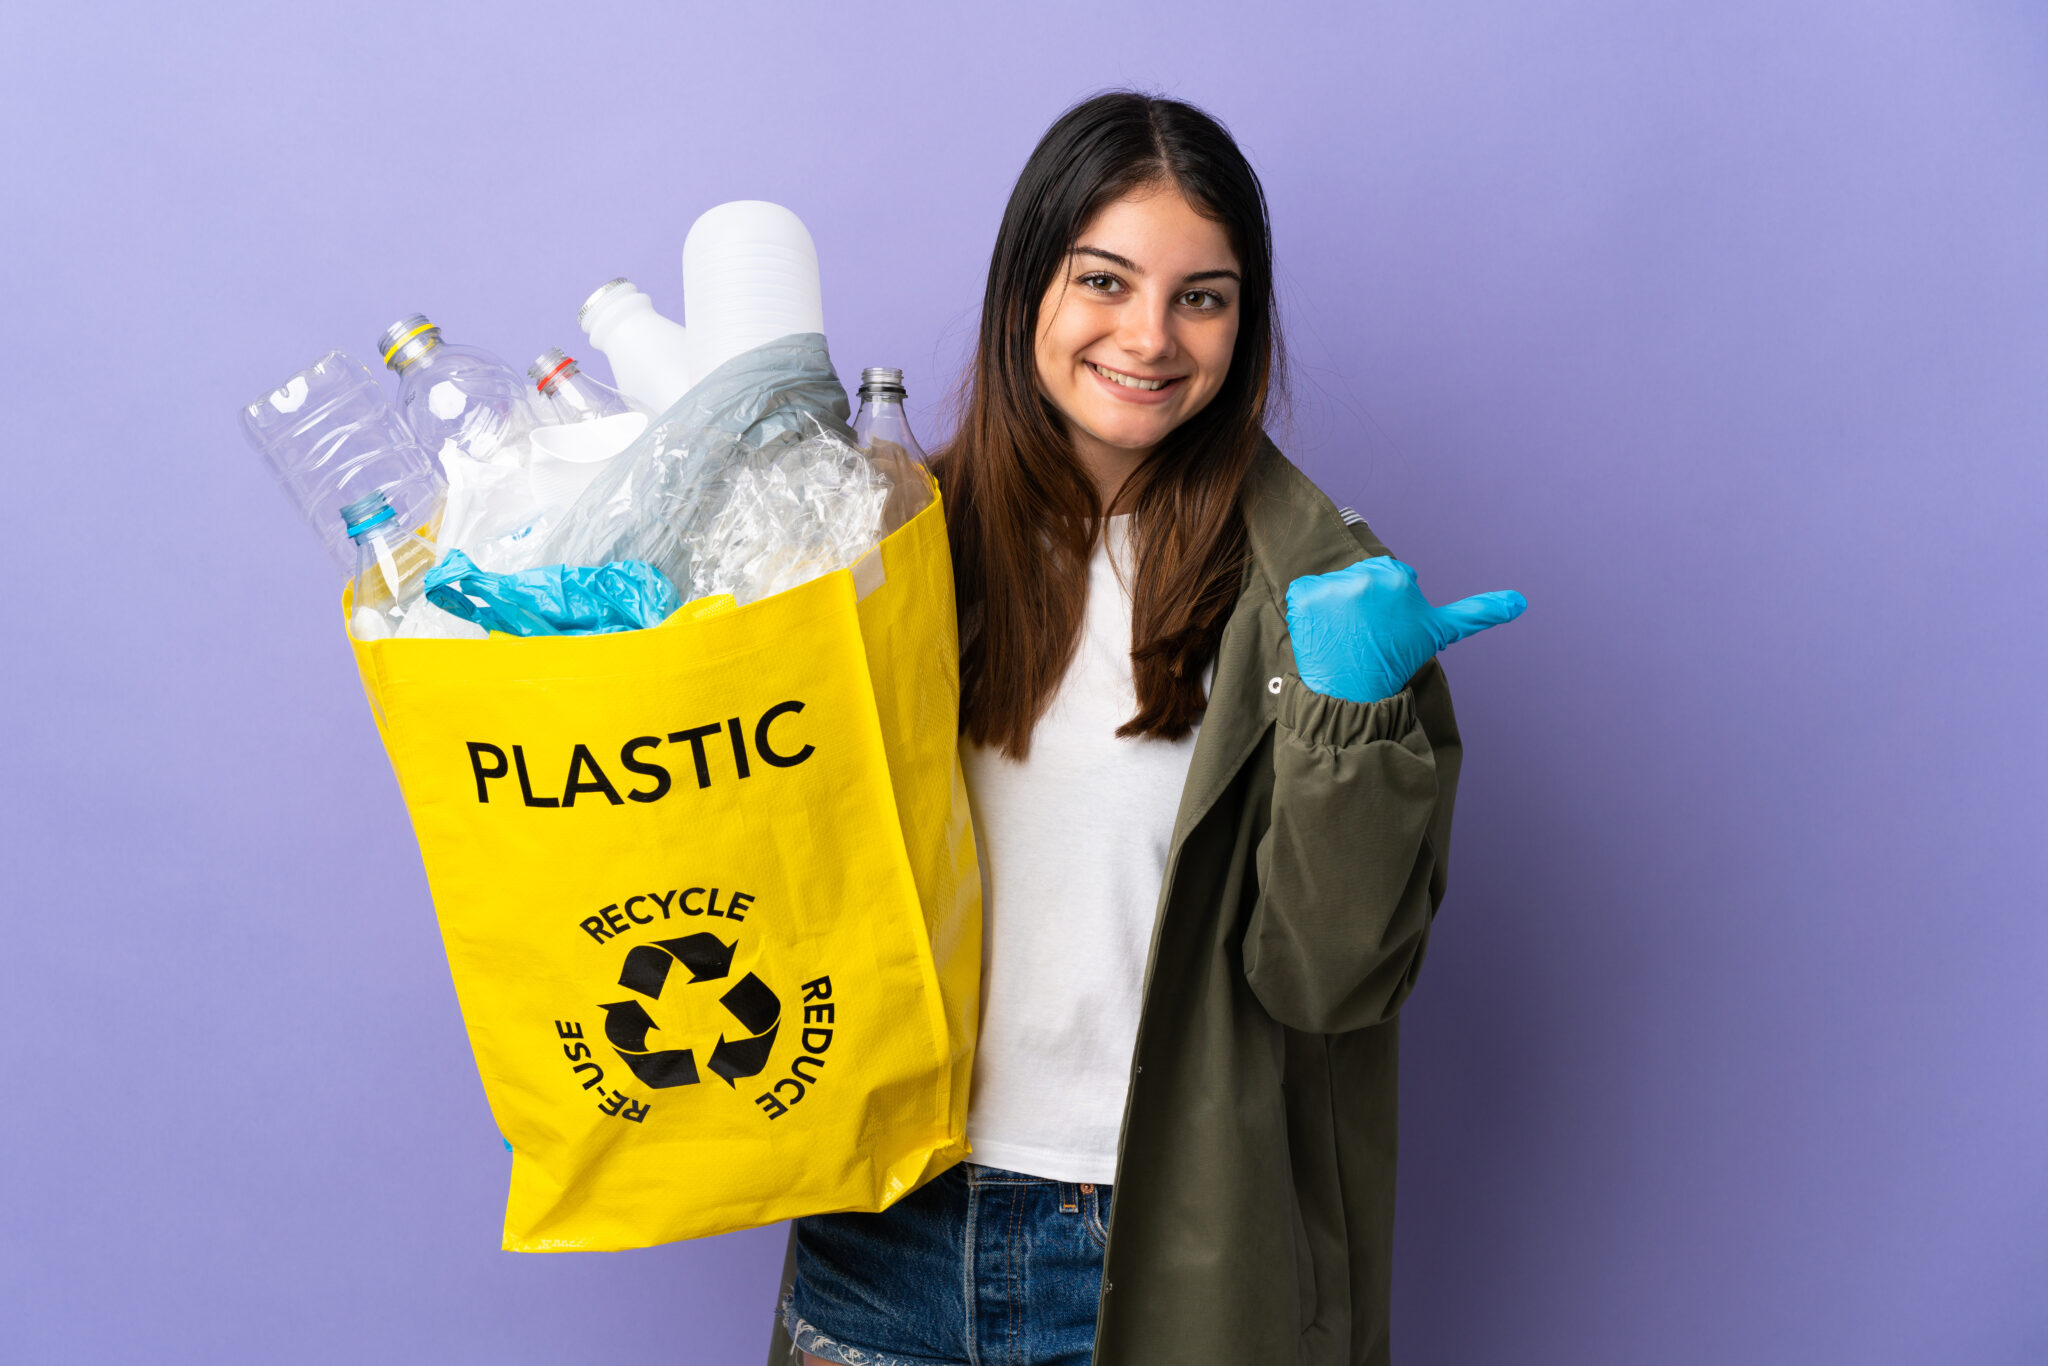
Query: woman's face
1135	334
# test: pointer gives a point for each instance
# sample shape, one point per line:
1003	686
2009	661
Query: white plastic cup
565	458
750	275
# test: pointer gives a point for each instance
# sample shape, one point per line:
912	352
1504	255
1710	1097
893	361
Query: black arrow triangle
752	1003
626	1024
736	1058
706	955
674	1067
646	970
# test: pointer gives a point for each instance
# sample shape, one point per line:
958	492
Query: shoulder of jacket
1293	526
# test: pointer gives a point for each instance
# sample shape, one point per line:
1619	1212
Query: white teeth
1128	381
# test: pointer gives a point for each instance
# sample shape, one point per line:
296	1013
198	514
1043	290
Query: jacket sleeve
1351	868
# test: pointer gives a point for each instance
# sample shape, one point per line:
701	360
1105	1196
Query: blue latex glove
554	600
1362	632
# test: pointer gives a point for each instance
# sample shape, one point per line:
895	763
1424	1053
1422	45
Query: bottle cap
553	361
599	295
406	340
373	509
878	379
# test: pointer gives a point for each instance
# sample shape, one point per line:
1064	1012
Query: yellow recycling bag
709	898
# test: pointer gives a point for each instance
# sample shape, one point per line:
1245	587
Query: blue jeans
977	1267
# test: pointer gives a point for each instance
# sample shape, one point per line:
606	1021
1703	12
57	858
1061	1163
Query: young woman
1211	763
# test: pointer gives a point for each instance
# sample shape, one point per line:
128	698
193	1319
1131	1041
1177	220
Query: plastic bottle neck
413	349
611	312
555	378
882	409
881	418
366	516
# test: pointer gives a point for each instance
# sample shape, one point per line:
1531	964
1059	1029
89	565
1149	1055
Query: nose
1146	330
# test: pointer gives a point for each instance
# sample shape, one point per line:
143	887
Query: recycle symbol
709	959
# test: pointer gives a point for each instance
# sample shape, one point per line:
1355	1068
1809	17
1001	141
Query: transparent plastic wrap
782	515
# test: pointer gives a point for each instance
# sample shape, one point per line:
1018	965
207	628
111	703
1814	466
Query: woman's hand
1362	632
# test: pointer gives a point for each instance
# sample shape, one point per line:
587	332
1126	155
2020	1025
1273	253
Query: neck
1108	467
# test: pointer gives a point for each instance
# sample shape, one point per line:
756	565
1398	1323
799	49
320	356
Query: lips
1135	388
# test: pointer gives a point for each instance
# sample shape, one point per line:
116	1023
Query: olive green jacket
1253	1212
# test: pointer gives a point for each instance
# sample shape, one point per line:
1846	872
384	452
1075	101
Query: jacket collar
1294	529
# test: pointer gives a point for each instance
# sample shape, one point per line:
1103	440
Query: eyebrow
1136	269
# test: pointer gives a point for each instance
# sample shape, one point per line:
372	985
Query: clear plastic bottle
571	395
330	435
391	565
454	393
882	430
651	355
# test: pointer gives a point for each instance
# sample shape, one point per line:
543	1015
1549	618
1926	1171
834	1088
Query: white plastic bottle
750	275
650	354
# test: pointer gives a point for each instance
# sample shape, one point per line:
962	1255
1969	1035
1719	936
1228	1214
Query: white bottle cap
602	295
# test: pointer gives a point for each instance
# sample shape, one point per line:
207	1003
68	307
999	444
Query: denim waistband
979	1264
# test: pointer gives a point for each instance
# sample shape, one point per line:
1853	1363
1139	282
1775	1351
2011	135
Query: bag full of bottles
668	674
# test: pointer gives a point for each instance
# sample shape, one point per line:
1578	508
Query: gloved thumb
1469	616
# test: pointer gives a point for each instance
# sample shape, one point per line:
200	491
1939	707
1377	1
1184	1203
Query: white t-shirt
1073	844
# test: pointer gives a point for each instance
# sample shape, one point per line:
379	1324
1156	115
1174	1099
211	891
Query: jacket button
1273	685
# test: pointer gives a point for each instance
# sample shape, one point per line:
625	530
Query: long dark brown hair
1021	511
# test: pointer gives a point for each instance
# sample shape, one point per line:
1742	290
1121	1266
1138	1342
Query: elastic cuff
1323	720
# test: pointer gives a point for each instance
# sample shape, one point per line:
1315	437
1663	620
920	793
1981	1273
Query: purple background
1719	330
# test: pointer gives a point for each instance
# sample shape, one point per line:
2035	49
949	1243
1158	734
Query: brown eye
1204	299
1096	279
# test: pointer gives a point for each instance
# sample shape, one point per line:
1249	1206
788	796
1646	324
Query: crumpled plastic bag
424	621
555	599
492	514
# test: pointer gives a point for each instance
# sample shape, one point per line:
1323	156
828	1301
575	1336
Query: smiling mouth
1132	381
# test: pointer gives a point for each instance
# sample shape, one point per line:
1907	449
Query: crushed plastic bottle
331	436
392	563
455	395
